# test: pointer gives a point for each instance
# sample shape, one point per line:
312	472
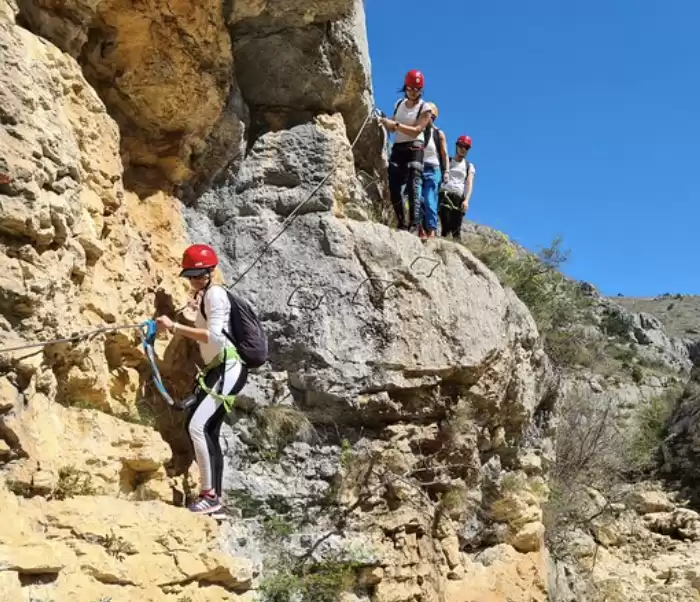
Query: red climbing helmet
464	141
414	79
198	260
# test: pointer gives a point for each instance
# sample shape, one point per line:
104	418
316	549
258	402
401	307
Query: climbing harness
447	203
148	336
228	353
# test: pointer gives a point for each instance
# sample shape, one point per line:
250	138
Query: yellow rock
450	546
529	538
35	558
516	509
99	253
393	591
10	587
505	576
100	453
8	395
106	547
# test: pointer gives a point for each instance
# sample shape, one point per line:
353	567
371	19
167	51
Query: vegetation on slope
596	456
680	314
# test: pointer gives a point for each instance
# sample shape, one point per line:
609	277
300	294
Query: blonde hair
217	277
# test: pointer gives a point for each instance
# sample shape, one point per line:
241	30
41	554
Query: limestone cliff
400	444
191	86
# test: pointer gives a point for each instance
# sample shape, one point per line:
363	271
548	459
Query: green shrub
323	582
650	429
556	303
596	449
565	348
72	482
616	324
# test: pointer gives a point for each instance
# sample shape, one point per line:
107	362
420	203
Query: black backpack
246	331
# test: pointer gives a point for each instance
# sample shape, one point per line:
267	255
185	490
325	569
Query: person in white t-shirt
225	372
411	117
434	172
457	190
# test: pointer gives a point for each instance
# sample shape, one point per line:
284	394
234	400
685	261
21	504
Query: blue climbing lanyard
148	336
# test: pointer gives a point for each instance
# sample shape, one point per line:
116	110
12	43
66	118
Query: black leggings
205	417
451	214
406	167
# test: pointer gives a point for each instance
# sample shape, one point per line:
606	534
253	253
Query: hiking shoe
430	234
205	504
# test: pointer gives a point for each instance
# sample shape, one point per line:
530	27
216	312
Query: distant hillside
680	314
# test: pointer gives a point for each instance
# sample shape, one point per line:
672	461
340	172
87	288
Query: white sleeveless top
408	116
457	176
431	154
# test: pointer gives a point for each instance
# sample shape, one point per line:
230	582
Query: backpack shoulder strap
468	166
201	306
443	159
201	303
427	133
397	104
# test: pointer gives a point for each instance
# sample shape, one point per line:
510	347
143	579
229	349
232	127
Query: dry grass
281	425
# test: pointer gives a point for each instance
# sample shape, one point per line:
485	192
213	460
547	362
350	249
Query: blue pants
431	183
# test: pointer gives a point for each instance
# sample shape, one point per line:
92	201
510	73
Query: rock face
680	314
681	447
178	109
369	311
99	548
79	251
71	233
399	441
184	113
57	449
645	548
295	60
417	357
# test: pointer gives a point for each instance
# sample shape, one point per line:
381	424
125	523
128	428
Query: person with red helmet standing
411	117
222	378
457	190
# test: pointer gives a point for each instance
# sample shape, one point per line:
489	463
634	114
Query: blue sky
585	118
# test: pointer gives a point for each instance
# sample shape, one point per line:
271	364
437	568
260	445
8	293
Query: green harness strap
226	354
